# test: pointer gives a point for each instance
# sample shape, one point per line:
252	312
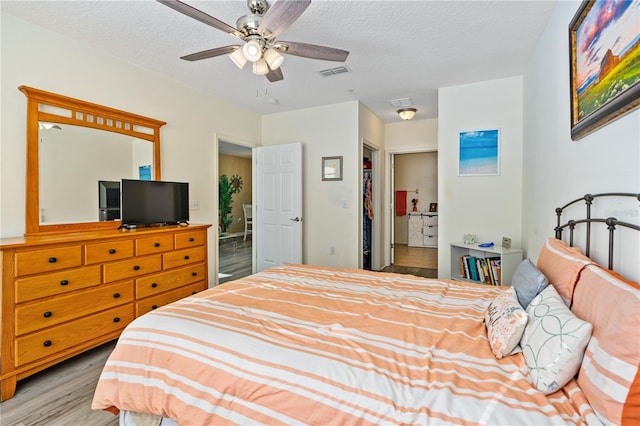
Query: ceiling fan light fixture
260	67
273	58
252	50
238	58
407	113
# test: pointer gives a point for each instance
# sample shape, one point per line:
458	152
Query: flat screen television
152	202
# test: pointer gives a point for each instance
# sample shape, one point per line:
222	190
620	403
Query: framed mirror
76	152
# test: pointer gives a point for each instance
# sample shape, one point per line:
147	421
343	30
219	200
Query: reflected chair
248	222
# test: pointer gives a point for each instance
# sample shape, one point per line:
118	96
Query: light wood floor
417	257
234	258
60	395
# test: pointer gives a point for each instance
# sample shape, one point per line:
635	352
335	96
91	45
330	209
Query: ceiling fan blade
198	15
275	75
211	53
312	51
280	16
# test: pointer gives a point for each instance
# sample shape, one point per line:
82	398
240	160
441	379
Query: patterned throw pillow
505	320
553	342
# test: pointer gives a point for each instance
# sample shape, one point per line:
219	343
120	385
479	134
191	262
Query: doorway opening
414	178
235	200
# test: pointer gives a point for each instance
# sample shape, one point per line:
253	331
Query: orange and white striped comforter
301	344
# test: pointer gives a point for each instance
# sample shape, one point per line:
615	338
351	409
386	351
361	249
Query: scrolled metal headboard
611	222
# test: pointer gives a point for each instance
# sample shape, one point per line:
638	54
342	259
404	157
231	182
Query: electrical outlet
194	205
332	250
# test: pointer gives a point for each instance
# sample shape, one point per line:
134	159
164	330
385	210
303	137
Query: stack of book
482	269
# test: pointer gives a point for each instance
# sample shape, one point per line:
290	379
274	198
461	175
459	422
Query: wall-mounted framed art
604	51
479	152
332	168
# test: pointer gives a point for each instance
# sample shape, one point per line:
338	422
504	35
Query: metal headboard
611	222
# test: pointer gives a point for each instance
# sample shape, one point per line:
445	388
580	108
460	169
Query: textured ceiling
398	49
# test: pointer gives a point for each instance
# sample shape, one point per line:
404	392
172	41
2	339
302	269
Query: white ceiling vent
401	103
333	71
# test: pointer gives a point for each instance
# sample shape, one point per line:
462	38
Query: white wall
39	58
326	131
557	170
488	206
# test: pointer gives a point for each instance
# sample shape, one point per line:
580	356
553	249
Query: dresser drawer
151	303
430	220
164	281
157	244
190	239
105	252
37	261
47	342
131	268
56	283
183	257
431	240
38	315
430	230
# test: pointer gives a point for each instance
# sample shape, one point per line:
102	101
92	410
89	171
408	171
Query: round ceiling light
407	113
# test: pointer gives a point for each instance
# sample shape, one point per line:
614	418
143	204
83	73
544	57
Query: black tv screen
150	202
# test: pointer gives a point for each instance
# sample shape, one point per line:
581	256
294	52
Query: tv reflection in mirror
108	200
154	203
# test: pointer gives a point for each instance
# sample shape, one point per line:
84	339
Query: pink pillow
505	320
610	372
562	265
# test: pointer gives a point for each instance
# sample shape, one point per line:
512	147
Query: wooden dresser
63	294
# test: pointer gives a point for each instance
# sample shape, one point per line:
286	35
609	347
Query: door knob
296	219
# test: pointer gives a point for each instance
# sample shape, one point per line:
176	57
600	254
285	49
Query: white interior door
278	211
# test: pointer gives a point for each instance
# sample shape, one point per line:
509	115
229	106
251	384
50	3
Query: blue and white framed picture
479	153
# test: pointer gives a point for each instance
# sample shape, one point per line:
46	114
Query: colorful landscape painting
479	153
607	54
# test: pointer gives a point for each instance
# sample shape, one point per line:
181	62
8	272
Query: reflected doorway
235	232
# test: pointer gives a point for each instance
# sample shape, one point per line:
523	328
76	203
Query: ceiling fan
258	31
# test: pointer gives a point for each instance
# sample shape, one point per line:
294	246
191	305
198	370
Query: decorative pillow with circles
505	320
553	342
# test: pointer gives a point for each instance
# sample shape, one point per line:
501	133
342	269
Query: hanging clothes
368	202
401	203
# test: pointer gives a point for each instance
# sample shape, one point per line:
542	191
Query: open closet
367	210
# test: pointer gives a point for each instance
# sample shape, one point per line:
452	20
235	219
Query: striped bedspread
300	344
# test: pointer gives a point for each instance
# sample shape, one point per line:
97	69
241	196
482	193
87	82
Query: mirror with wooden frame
77	152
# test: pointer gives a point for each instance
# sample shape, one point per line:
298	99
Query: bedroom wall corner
556	169
488	206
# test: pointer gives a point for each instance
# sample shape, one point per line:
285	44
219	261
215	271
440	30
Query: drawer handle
154	307
53	260
64	282
116	295
154	285
186	257
156	244
193	274
194	292
116	319
136	267
47	343
47	314
191	239
112	251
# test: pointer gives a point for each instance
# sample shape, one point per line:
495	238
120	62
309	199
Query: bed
304	344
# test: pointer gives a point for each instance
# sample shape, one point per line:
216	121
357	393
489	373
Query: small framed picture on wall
332	168
433	207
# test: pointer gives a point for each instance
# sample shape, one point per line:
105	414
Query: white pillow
553	342
505	320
